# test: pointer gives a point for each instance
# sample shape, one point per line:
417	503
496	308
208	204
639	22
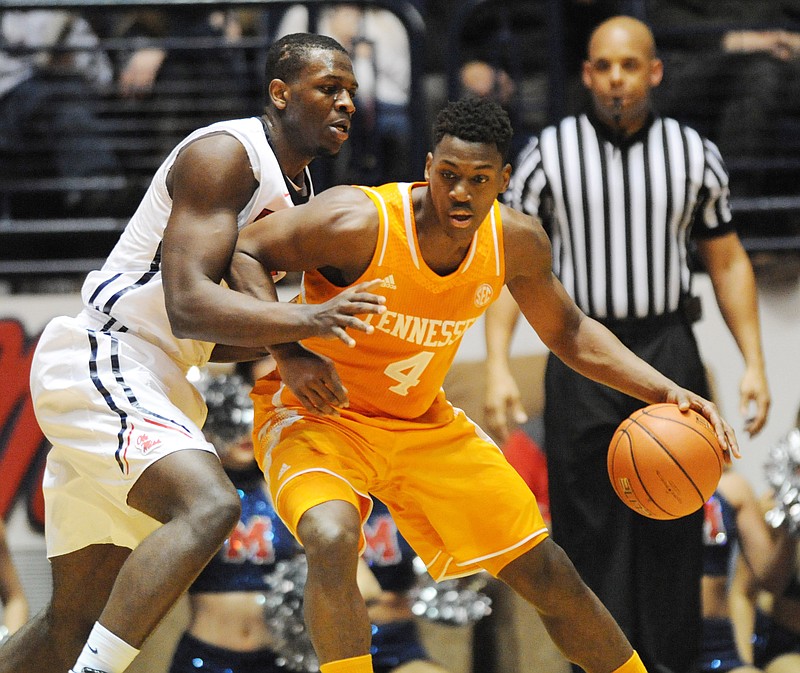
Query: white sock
104	653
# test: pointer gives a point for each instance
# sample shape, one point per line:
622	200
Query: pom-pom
284	613
783	474
230	409
455	602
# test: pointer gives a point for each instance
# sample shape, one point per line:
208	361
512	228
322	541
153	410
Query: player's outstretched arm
582	343
210	183
336	231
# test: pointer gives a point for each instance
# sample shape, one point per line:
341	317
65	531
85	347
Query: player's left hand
312	378
686	399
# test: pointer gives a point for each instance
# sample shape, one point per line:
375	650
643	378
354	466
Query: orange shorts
453	495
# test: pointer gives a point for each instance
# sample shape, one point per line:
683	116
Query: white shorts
111	404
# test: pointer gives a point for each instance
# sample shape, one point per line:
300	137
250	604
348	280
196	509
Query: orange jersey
398	370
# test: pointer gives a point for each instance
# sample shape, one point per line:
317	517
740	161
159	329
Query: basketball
664	463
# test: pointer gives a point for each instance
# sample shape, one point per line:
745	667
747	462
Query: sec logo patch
483	295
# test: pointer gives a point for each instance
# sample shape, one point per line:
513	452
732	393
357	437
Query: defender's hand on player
336	315
311	377
686	399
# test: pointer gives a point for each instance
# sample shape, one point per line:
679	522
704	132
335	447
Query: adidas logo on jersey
388	282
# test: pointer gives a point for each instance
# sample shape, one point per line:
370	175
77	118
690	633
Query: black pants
646	572
195	656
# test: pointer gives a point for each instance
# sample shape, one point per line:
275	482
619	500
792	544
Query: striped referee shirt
619	212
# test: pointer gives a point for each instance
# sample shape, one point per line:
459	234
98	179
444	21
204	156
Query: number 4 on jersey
408	372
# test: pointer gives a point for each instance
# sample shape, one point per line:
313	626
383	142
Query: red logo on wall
383	547
23	447
251	541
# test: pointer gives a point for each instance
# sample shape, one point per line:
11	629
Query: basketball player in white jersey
136	499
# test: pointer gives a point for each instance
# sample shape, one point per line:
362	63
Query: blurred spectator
517	41
581	17
140	69
733	72
768	617
12	597
377	40
512	38
733	523
47	88
767	623
484	80
177	57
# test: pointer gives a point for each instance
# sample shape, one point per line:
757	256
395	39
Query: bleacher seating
42	236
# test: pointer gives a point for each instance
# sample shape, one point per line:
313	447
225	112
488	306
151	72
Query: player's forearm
248	276
220	315
243	318
225	353
597	354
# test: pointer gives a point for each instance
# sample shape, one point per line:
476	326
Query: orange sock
362	664
633	665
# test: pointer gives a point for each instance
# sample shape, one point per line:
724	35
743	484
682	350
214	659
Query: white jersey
126	294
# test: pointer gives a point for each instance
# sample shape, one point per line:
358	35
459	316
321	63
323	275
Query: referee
621	192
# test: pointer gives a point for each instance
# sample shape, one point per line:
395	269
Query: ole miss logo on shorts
146	444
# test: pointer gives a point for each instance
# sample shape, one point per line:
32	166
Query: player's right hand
332	318
686	399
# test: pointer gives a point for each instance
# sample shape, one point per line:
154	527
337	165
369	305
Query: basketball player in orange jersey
444	249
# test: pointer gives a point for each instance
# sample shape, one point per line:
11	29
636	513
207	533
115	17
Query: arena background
38	248
22	448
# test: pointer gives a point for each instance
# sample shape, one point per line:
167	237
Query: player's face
464	179
620	73
319	104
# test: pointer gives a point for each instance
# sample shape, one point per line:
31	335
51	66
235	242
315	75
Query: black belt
646	325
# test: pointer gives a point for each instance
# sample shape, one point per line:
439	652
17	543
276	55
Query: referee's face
620	73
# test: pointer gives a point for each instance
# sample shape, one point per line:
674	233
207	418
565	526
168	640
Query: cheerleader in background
228	630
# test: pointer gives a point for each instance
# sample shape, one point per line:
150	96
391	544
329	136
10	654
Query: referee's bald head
637	33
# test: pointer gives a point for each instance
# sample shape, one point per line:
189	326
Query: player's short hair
288	56
474	119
